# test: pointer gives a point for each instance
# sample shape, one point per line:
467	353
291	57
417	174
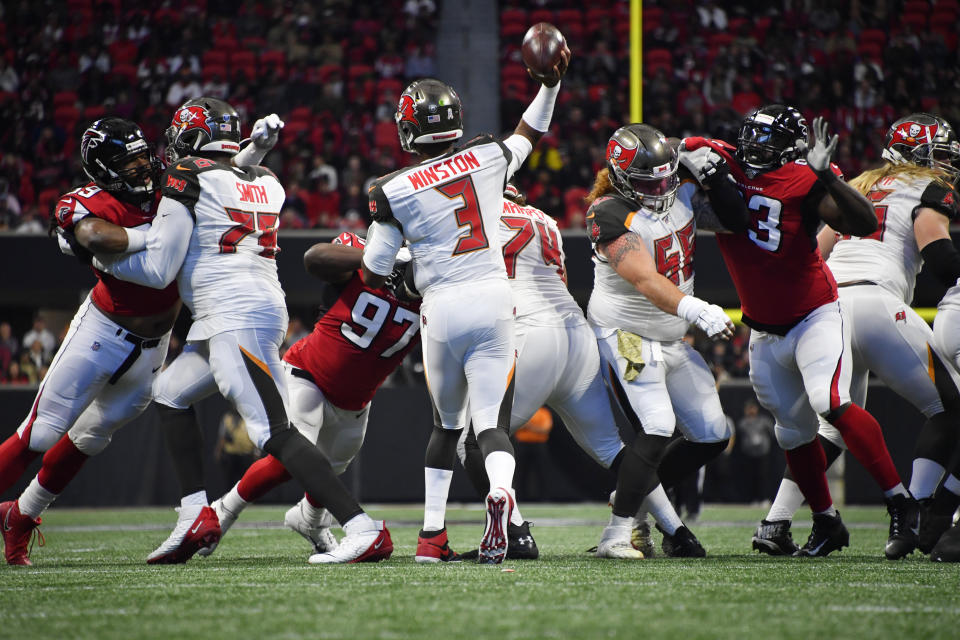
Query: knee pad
790	438
42	436
829	433
90	441
490	440
442	448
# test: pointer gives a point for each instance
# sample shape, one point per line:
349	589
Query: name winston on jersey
443	170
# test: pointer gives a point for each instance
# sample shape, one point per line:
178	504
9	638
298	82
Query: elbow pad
944	261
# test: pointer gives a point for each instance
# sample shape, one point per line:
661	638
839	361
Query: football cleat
641	539
773	537
17	531
319	535
828	534
372	544
433	547
493	544
682	544
947	548
226	519
520	544
933	524
904	526
197	528
614	543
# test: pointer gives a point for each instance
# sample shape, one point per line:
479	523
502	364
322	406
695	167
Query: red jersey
357	342
776	266
110	294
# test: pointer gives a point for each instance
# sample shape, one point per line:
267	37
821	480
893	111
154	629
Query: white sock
35	499
232	501
436	484
788	501
658	504
897	490
500	466
952	484
641	516
620	521
925	477
515	517
830	511
358	523
195	499
311	513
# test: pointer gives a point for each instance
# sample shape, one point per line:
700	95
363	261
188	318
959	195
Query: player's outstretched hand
705	164
821	150
266	131
714	322
551	80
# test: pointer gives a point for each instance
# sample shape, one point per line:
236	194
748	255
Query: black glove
400	282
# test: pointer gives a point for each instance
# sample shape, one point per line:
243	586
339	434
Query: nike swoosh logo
155	370
378	544
196	528
180	167
6	525
817	548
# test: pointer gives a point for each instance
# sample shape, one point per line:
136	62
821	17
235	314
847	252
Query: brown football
542	45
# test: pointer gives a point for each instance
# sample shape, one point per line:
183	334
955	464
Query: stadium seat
512	30
875	36
66	115
652	18
211	71
126	71
214	57
62	98
300	114
94	112
542	15
123	50
243	58
513	16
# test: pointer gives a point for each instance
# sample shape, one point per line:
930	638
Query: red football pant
808	464
863	437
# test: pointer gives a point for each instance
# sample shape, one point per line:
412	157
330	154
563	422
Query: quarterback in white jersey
215	233
914	203
641	223
447	208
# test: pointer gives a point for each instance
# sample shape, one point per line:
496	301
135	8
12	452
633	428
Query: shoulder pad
68	211
941	198
349	239
258	171
608	218
483	138
180	181
380	210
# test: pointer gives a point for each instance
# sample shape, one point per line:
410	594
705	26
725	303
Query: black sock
184	442
638	473
312	470
615	465
473	463
682	458
937	439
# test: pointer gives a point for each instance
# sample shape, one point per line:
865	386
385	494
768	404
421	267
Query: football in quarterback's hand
542	49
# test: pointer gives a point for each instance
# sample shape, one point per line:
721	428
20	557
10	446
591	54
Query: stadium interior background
333	71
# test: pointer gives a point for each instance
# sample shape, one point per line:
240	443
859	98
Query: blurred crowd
333	71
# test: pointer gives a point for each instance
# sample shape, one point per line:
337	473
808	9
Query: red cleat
197	528
17	530
372	544
434	547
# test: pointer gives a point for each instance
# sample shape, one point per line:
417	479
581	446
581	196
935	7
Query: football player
360	338
215	234
447	208
914	202
642	224
557	365
101	377
799	366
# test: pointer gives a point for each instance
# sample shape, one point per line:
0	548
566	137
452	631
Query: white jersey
889	256
670	238
448	209
533	253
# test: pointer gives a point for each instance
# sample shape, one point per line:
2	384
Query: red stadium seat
210	71
300	114
652	18
66	115
870	50
389	87
273	58
360	70
874	36
243	58
123	51
513	16
328	70
214	57
94	112
542	15
126	71
916	20
62	98
512	30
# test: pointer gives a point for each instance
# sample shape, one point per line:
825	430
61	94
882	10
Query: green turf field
90	581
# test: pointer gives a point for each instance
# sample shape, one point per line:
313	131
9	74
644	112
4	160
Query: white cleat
319	536
615	543
197	528
227	518
372	544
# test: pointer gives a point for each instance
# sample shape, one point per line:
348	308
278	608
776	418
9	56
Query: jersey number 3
765	227
467	215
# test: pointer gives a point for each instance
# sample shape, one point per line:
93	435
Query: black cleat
774	538
520	544
933	524
947	548
904	526
828	534
682	544
641	540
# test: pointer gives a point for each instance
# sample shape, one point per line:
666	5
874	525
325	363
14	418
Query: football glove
69	245
400	282
706	165
709	318
818	156
266	131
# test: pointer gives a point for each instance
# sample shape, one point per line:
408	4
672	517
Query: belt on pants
139	344
856	283
300	373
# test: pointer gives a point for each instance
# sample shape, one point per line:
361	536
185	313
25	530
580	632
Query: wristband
136	240
690	307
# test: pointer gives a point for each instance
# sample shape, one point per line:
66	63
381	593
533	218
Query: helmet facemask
763	147
655	190
943	156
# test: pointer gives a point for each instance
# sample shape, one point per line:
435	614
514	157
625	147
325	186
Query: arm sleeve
167	243
383	244
250	155
727	203
519	148
943	261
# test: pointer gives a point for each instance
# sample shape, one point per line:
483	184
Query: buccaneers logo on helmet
617	153
913	133
192	118
406	110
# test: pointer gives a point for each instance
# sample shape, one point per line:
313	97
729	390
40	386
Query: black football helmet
643	166
429	112
768	137
116	156
203	125
926	140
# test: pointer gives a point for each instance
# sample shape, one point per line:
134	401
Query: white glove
709	318
703	163
64	245
404	256
818	156
266	131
